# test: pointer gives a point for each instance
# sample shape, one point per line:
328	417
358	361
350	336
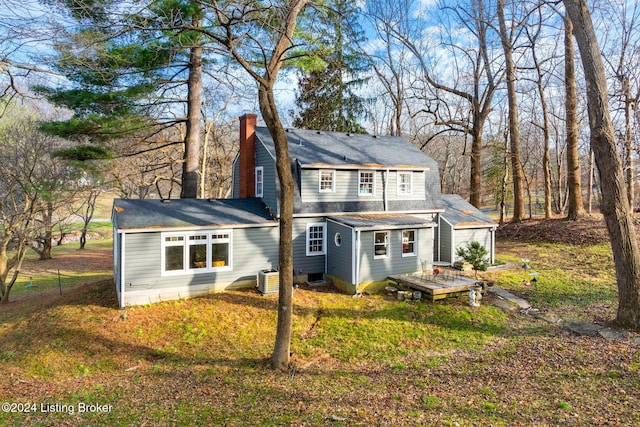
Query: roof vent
166	201
345	158
319	132
375	136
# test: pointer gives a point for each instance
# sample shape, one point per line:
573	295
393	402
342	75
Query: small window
316	239
337	239
381	244
327	181
405	183
259	181
409	243
366	183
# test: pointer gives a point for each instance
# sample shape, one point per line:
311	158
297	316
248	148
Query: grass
356	361
61	271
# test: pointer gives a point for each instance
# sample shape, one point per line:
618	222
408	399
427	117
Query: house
366	207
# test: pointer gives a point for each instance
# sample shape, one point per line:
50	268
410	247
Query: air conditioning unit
268	282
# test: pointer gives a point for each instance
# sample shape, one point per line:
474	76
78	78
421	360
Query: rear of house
365	208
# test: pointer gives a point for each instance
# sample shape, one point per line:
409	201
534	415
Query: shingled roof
460	213
316	148
184	213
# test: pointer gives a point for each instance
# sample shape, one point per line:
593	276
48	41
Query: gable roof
189	213
318	148
460	213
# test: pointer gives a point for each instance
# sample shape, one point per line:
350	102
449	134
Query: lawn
75	359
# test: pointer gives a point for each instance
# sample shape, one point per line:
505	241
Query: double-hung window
327	181
259	181
409	243
380	244
405	183
192	252
366	183
316	239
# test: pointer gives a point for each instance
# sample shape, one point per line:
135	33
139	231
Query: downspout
357	260
121	267
385	191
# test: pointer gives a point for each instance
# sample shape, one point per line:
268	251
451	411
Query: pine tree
327	98
126	73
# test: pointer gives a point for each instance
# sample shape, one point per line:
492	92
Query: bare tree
575	205
24	180
506	37
474	82
259	37
615	203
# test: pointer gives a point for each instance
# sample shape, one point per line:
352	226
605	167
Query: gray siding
270	192
303	264
340	258
466	235
374	270
346	187
445	231
253	249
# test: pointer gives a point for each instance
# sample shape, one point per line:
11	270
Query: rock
583	328
611	334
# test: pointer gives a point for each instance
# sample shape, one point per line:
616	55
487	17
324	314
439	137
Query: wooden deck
435	288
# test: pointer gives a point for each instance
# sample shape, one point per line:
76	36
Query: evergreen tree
127	73
327	98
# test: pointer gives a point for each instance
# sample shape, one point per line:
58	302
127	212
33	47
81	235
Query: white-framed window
316	239
409	247
366	183
380	244
327	180
259	181
172	253
405	183
196	252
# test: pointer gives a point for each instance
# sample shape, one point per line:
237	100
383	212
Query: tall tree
332	74
468	82
506	37
615	206
259	36
575	205
127	72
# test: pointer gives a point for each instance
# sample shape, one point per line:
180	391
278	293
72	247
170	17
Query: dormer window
366	183
405	183
327	180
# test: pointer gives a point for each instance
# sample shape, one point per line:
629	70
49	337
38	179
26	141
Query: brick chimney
247	155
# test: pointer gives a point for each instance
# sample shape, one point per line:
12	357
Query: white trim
259	184
184	243
373	182
122	270
415	243
323	226
187	229
387	244
399	183
363	167
333	181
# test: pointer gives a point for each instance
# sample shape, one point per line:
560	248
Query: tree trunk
575	207
514	134
191	165
475	182
615	207
281	351
629	101
45	253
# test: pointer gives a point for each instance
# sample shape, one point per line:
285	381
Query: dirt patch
583	232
